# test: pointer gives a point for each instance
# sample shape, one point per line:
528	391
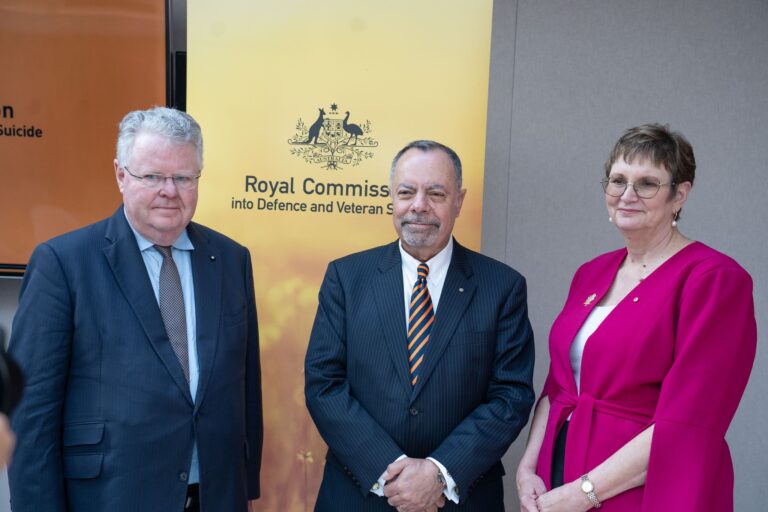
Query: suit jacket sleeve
354	437
41	340
714	351
485	435
254	418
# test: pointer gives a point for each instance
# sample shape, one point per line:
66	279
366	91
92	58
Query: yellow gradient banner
303	104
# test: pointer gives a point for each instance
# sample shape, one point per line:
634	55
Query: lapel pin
461	290
213	258
590	299
636	299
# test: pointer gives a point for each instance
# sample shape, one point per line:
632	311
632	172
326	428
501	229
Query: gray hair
659	144
173	124
429	145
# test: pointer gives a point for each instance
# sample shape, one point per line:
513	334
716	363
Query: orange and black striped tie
420	319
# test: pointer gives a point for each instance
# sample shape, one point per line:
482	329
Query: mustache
419	219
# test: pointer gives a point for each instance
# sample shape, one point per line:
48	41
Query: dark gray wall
567	77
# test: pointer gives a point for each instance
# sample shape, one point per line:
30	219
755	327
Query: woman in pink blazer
649	356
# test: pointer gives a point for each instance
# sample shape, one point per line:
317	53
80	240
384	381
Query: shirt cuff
378	487
451	490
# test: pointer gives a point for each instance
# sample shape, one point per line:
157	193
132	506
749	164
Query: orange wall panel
69	71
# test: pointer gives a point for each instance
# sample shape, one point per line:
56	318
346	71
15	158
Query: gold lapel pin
590	299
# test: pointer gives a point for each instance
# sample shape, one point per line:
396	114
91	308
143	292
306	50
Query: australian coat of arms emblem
332	140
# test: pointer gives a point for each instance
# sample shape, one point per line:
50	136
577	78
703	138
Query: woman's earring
674	218
610	219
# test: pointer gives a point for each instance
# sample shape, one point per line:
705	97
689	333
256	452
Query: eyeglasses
155	181
645	188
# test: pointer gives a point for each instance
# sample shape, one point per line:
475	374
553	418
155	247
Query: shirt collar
182	243
437	263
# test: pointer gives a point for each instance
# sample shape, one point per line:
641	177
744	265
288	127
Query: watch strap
590	494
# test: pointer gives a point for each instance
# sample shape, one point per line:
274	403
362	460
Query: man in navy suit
139	342
419	365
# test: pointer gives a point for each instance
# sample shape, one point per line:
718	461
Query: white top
590	325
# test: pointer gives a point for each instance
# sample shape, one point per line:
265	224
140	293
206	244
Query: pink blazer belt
583	407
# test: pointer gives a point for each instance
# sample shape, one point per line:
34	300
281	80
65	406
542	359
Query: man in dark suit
139	341
419	365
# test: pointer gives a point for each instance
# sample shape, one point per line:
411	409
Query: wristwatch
589	489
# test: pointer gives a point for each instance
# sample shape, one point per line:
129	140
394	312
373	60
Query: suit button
183	476
414	411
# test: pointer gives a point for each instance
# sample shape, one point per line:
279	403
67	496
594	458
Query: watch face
587	486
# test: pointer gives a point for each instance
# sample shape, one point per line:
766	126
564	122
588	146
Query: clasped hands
412	486
534	496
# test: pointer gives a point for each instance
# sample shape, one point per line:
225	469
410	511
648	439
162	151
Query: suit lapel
207	276
591	292
456	295
388	291
131	275
581	302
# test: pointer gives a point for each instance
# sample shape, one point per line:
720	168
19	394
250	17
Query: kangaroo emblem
314	130
331	141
